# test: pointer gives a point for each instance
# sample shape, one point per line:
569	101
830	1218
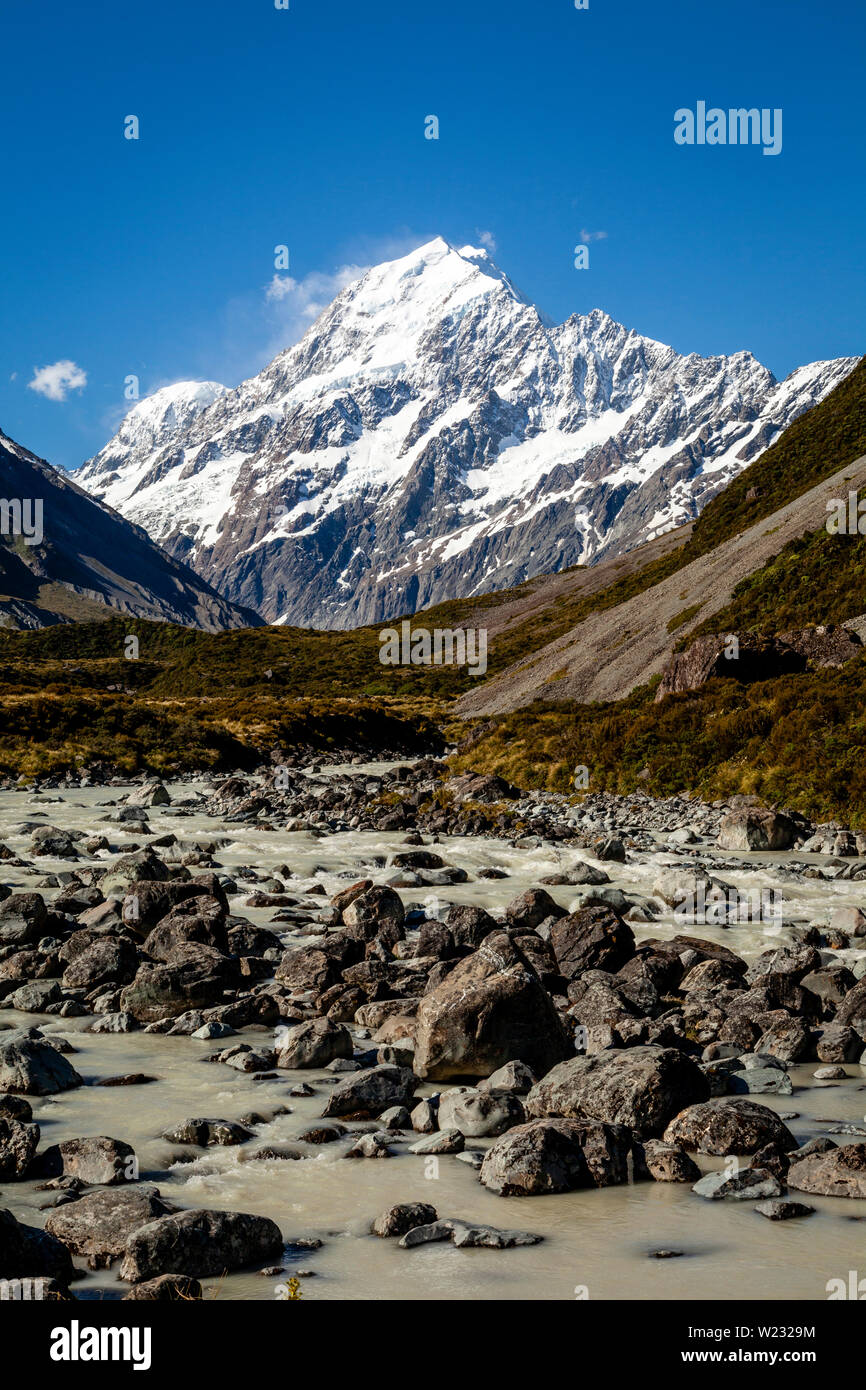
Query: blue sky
305	127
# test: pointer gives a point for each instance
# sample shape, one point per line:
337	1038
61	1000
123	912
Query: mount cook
434	436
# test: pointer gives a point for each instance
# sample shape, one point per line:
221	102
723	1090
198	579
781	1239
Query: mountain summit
433	435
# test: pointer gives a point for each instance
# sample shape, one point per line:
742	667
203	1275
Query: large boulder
729	1126
794	962
319	967
314	1043
851	1013
186	928
556	1156
32	1066
22	918
200	1243
396	1221
109	960
99	1160
594	938
18	1144
480	1114
35	997
788	1039
482	786
363	1094
50	842
757	659
129	870
643	1087
26	1252
756	829
839	1173
196	979
469	925
99	1224
377	912
151	900
532	908
151	794
489	1010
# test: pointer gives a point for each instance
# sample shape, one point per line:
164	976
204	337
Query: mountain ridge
86	561
434	436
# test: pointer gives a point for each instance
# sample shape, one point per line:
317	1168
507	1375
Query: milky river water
597	1243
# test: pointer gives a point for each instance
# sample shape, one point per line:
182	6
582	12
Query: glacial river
600	1241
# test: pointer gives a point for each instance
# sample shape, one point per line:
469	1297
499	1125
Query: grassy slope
798	740
69	696
195	699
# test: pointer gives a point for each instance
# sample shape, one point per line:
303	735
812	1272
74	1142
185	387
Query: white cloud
294	304
586	237
56	380
487	239
262	323
280	287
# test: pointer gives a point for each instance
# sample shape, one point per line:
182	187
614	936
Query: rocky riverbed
400	1035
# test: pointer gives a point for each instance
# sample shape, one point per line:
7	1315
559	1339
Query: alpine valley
432	437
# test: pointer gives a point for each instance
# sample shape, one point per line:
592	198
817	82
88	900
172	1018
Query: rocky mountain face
433	436
66	556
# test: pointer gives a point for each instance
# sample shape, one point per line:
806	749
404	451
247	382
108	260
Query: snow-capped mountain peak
433	435
146	429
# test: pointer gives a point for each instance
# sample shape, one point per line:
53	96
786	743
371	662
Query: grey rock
367	1093
556	1156
207	1134
840	1173
396	1221
31	1065
99	1160
444	1141
200	1243
479	1114
490	1009
668	1163
515	1077
18	1144
760	1081
782	1209
463	1235
753	1184
370	1146
728	1126
99	1224
643	1087
313	1044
